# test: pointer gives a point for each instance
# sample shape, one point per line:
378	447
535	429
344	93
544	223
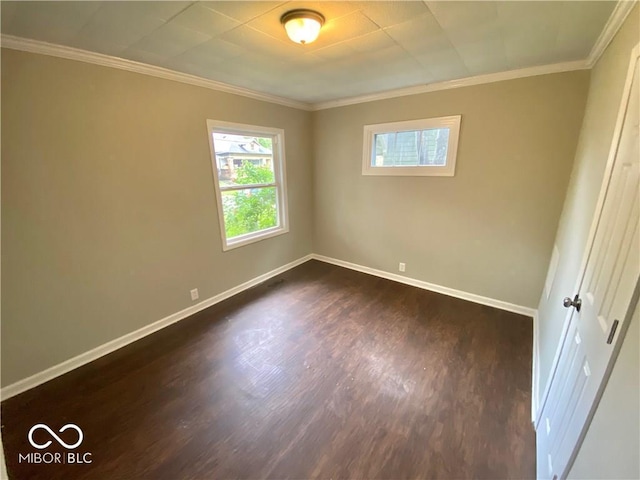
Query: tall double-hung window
249	178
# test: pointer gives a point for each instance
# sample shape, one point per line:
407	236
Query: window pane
411	148
243	160
249	210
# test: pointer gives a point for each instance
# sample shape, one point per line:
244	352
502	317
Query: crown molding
615	21
462	82
70	53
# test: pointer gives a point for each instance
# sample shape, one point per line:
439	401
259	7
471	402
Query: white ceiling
365	47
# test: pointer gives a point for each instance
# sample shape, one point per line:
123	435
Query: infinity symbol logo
60	441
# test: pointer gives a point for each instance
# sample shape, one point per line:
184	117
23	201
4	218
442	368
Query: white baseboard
84	358
535	371
472	297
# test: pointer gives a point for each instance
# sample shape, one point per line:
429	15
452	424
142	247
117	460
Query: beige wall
610	449
489	230
108	208
109	212
605	93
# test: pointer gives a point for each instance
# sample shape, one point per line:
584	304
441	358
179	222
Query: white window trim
368	150
280	174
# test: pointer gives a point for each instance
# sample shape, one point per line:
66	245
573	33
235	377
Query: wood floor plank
321	372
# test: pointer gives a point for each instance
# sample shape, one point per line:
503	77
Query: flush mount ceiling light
302	26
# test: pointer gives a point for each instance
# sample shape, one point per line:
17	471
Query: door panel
610	277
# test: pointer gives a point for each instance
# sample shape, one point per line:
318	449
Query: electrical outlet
194	294
402	267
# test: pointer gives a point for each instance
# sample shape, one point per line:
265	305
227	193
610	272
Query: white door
602	305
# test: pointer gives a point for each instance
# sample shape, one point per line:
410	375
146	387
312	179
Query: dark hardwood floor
321	372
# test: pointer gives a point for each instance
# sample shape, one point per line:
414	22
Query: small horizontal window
412	148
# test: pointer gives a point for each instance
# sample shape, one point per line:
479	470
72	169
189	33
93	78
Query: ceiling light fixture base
302	25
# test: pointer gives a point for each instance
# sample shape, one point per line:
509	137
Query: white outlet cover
194	294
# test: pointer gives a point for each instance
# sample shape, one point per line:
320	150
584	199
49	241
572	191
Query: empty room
320	240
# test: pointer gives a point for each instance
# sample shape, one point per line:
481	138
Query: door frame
597	215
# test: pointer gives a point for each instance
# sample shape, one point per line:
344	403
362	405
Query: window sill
248	238
435	171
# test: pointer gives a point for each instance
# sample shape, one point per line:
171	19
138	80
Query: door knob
576	302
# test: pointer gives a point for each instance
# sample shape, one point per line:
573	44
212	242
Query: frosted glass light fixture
302	26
